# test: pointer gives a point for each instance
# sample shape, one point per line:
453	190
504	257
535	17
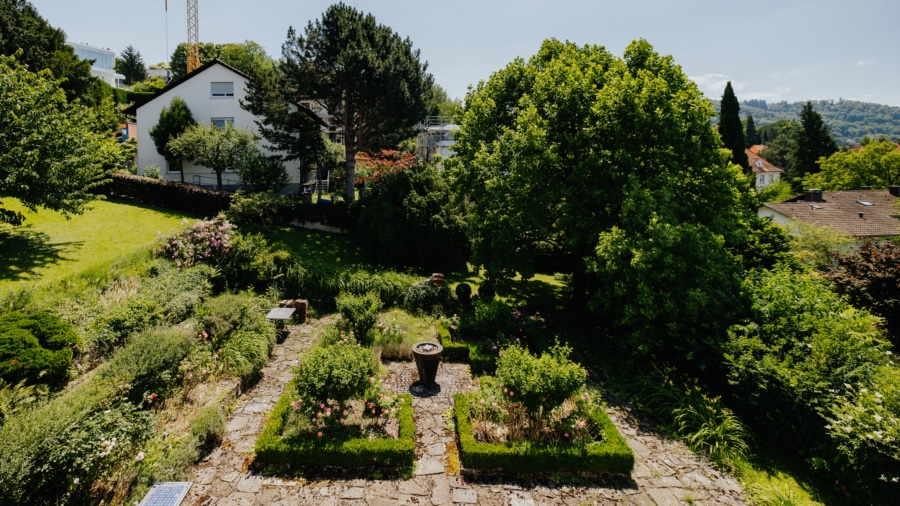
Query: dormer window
759	163
222	90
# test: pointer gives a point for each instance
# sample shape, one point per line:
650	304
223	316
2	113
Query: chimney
894	190
813	195
862	216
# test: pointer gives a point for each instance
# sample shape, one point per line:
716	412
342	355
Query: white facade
213	94
104	63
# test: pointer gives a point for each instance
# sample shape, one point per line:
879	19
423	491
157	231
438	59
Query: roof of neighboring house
756	148
860	213
132	109
758	163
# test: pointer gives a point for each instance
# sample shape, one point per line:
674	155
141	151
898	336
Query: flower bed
608	453
311	449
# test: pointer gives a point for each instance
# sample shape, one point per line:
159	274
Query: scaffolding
435	137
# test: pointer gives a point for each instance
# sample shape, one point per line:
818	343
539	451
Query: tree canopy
575	145
52	152
730	128
43	47
131	64
247	56
370	80
174	119
876	164
219	148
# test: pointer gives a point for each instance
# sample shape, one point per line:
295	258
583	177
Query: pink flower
342	420
581	424
493	404
511	393
565	434
322	405
482	401
319	434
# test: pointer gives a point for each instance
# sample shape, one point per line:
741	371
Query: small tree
730	128
219	148
174	119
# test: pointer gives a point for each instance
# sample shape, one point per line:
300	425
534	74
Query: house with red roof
764	172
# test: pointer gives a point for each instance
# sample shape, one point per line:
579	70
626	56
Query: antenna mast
193	38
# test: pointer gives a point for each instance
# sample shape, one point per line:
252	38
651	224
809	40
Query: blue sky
772	50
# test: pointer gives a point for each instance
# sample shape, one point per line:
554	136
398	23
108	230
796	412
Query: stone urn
428	357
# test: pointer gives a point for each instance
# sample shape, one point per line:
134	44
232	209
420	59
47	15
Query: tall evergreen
131	64
813	142
174	119
730	128
751	138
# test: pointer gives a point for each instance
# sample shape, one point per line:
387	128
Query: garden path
665	473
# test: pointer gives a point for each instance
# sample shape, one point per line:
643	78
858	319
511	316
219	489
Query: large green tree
730	128
814	142
52	152
247	56
369	79
877	165
780	139
219	148
178	61
575	145
44	47
174	119
131	65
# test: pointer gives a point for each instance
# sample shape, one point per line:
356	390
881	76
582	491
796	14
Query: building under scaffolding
435	137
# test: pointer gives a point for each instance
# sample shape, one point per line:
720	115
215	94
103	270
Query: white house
764	173
103	64
213	93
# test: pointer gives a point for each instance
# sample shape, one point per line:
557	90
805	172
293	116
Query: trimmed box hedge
611	455
479	362
272	448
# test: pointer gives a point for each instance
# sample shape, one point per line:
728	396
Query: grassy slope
48	248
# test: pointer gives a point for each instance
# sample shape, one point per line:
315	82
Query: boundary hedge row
167	194
609	456
272	448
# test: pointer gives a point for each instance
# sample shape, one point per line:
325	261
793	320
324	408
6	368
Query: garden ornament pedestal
428	357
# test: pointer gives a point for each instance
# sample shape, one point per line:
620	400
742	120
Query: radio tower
193	38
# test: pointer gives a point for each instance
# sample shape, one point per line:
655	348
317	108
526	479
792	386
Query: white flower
76	481
139	457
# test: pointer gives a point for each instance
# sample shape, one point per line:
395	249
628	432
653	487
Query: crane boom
193	38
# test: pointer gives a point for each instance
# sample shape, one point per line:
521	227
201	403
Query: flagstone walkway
665	473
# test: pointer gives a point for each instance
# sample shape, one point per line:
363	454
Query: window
221	90
221	122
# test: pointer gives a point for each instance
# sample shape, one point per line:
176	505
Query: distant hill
849	120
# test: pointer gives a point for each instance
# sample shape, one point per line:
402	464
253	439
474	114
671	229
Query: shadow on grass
24	251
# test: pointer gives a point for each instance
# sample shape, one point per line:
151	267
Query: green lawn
48	247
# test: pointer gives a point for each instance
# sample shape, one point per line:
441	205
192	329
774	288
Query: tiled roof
758	163
844	211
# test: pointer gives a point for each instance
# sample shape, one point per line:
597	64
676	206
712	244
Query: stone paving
665	473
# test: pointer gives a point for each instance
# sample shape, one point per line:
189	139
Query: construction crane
193	38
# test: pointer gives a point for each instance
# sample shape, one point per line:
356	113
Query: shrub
464	295
235	335
339	372
205	240
798	362
486	291
425	297
257	209
359	311
168	194
489	319
152	171
539	382
35	348
208	428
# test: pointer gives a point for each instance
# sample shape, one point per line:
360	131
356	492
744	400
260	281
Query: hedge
272	448
611	455
167	194
480	363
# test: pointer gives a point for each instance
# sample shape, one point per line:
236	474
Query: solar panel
169	493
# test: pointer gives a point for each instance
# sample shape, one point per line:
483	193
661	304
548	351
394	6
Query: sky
793	50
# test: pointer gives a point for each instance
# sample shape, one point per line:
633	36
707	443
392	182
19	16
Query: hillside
849	120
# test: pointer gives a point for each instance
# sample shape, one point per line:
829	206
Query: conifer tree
813	142
730	128
751	137
174	119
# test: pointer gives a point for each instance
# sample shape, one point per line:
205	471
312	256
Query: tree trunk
218	180
350	150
